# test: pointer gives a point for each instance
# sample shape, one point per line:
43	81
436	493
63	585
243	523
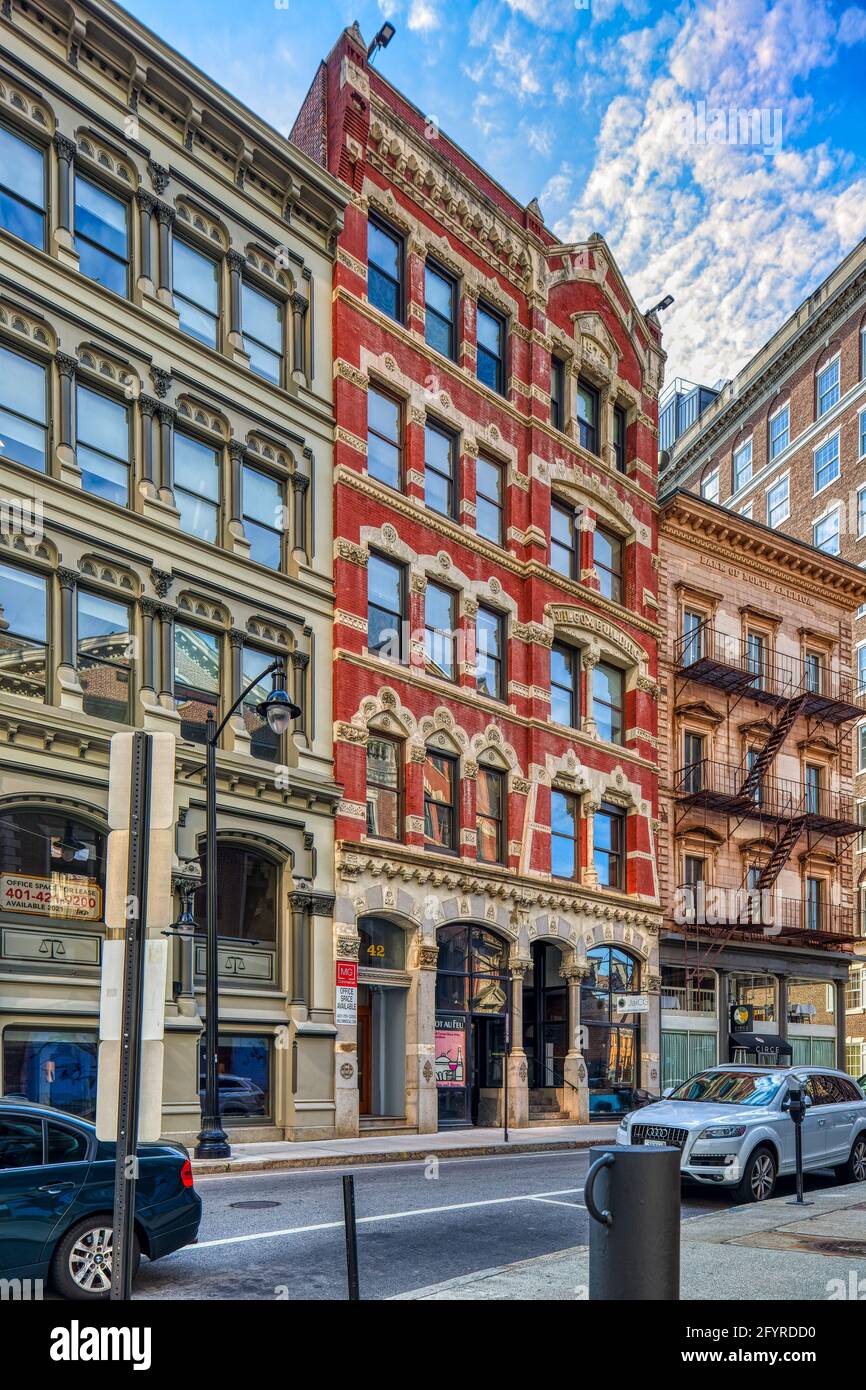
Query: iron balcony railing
684	999
707	907
717	658
719	786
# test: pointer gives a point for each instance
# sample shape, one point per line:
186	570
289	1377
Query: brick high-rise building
495	635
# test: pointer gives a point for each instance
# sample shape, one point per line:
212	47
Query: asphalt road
279	1235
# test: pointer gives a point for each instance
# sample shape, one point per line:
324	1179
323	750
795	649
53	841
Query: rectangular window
385	269
814	672
565	685
609	846
557	393
196	486
440	801
104	657
854	992
440	470
440	631
828	388
489	815
861	668
263	333
743	465
814	904
710	486
607	702
263	509
23	633
564	538
490	348
587	415
607	560
264	743
384	758
861	747
620	430
780	431
564	830
756	657
23	410
244	1070
386	603
693	769
102	235
779	502
196	679
813	789
747	510
22	188
693	636
695	869
440	311
52	1066
490	653
825	533
102	445
195	285
490	500
827	463
863	434
384	439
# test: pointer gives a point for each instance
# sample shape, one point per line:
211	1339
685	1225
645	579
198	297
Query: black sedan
57	1198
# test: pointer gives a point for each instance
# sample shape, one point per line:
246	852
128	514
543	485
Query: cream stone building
165	460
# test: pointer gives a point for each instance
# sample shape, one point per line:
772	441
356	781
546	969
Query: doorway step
385	1124
547	1113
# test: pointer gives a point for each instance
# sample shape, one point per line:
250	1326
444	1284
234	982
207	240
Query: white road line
552	1201
329	1169
385	1216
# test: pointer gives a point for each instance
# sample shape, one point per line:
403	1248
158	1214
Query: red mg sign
347	972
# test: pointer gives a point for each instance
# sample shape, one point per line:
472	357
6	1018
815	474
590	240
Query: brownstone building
758	812
784	442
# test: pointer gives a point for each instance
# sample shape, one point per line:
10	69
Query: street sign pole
125	1173
508	997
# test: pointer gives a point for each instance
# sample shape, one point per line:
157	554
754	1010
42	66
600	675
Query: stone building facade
785	444
758	812
166	420
495	637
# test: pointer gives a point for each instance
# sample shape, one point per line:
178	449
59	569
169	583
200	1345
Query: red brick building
495	676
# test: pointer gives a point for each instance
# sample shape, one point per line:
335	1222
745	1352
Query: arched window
52	866
246	894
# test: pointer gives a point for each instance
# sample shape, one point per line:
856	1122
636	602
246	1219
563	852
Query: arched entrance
612	1036
382	1005
472	996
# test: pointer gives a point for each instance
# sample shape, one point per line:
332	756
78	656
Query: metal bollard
632	1194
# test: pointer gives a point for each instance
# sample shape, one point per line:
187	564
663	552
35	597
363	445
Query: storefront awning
768	1045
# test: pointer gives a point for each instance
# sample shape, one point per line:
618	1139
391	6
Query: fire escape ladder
781	853
766	756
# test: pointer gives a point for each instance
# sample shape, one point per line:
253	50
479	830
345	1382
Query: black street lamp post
279	712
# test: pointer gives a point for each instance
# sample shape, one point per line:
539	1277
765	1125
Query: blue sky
614	114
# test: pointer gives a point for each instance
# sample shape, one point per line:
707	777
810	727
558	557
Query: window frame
43	425
219	455
249	466
714	477
616	576
557	396
500	662
249	283
740	464
391	443
573	691
398	744
106	188
836	459
27	139
619	818
833	513
452	479
435	632
216	262
573	515
773	448
497	504
194	693
501	372
572	808
432	266
834	365
589	434
771	507
400	567
385	228
33	642
618	709
500	821
82	384
126	664
620	445
453	805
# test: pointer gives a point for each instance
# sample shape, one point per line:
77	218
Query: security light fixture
662	304
382	39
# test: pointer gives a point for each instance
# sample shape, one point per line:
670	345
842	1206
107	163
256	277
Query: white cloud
424	16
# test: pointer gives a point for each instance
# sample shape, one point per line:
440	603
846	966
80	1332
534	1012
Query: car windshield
730	1088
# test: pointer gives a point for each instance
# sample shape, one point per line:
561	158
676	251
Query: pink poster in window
450	1052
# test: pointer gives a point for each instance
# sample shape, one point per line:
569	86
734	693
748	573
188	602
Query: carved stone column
575	1100
300	307
71	696
299	988
146	208
64	245
589	661
237	536
167	415
589	876
67	463
236	263
167	615
241	737
303	726
165	216
518	1071
422	1092
149	406
300	538
149	610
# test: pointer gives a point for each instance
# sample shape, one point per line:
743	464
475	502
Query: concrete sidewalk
771	1250
395	1148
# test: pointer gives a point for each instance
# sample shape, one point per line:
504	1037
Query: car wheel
81	1267
759	1179
854	1170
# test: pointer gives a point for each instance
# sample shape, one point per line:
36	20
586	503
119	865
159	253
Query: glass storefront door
472	994
612	1035
545	1017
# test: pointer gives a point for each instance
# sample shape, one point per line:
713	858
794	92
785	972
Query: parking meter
796	1103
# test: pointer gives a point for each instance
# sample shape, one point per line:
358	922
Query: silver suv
733	1126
